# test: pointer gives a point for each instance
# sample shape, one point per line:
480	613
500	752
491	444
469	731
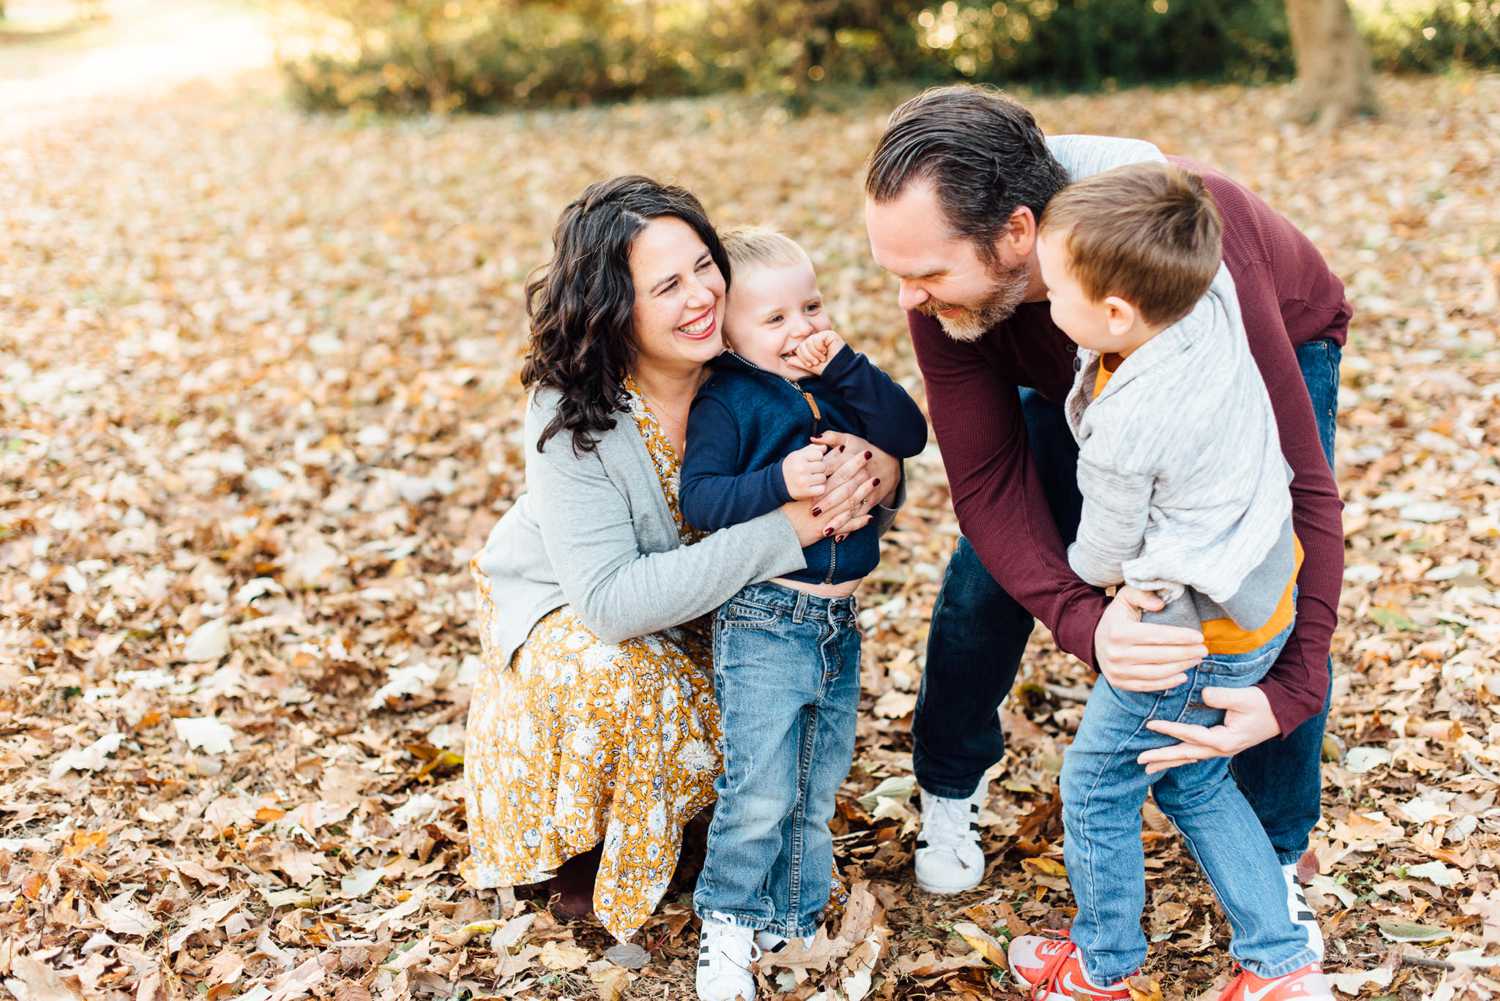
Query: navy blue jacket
745	421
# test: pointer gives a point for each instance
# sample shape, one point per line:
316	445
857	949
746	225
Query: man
953	192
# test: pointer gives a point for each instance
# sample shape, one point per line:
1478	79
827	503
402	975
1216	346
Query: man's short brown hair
1148	233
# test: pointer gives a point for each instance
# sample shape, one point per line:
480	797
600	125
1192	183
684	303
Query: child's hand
818	350
804	473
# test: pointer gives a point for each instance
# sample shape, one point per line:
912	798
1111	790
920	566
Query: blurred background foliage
480	55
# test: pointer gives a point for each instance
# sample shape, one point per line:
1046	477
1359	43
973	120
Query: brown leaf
42	982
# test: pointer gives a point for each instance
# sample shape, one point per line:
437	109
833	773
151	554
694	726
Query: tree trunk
1334	79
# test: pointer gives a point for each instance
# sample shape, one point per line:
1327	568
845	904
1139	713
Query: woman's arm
617	590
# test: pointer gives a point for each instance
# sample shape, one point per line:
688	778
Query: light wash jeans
1103	789
786	675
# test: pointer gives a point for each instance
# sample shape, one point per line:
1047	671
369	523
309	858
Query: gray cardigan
593	531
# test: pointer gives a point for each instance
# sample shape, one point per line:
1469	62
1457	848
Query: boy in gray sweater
1185	493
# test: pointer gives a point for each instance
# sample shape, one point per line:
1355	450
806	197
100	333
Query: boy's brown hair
1148	233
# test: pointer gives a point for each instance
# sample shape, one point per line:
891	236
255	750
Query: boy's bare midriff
843	590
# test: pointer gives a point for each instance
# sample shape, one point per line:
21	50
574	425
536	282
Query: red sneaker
1050	970
1306	984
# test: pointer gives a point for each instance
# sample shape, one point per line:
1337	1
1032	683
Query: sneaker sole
948	889
1015	975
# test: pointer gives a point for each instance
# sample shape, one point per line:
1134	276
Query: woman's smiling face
679	296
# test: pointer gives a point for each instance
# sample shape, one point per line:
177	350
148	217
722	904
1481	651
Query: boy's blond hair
760	245
1148	233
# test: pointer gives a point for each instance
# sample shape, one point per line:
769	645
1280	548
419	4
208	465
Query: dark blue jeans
979	633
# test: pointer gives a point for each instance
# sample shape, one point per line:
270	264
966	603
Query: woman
593	732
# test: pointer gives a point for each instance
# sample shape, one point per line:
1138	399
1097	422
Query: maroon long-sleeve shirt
1288	296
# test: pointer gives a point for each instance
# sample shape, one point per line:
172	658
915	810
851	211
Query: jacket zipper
812	404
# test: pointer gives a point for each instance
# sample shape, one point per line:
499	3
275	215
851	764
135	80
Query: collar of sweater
731	361
1168	346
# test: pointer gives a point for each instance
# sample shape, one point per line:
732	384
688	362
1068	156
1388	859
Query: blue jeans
979	633
786	675
1102	792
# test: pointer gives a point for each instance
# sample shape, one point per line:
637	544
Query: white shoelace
727	945
949	823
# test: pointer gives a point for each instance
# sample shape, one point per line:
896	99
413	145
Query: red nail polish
869	455
877	482
841	538
827	532
817	511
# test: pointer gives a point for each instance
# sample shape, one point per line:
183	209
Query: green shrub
478	55
1089	43
1428	36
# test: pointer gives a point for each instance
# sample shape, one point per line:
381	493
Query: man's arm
996	490
1297	685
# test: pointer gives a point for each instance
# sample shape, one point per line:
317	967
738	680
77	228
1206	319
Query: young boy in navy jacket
786	651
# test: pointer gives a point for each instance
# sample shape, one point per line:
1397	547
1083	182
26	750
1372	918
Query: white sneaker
769	942
725	954
948	858
1301	912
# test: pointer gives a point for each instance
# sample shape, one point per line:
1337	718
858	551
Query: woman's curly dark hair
581	303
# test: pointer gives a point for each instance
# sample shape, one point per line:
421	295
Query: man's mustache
931	307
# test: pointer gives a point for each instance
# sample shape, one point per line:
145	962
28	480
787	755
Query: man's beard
1007	292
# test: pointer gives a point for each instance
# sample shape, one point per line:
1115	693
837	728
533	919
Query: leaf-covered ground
258	406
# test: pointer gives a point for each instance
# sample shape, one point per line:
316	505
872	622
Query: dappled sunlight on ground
141	47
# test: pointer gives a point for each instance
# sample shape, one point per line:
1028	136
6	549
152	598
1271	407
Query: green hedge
1428	36
479	55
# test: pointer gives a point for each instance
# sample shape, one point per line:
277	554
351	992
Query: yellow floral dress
578	741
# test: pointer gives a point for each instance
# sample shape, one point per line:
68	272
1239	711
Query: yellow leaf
982	942
1143	988
563	957
609	980
82	842
1044	866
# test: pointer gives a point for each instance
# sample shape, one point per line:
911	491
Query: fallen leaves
204	917
209	642
90	758
236	509
205	734
984	945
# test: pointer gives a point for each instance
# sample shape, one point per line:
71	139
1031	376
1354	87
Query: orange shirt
1224	636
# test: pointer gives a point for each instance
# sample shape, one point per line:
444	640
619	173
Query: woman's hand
860	476
811	528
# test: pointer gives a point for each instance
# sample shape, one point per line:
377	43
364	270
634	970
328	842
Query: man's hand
818	350
1248	721
804	472
1137	656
